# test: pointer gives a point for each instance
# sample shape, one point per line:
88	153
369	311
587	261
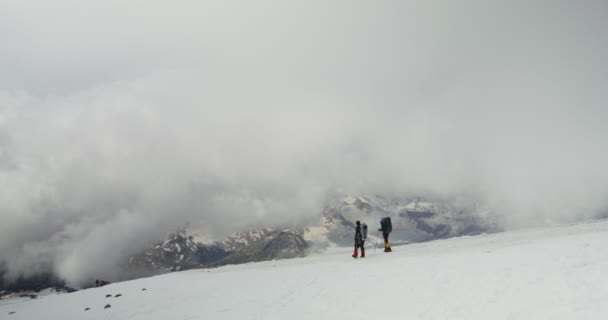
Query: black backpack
389	225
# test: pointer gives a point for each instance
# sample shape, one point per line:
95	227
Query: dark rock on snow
181	252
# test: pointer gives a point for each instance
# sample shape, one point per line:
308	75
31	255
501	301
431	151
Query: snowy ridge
7	298
414	220
552	273
180	251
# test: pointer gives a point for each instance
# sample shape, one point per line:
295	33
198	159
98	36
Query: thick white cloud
122	121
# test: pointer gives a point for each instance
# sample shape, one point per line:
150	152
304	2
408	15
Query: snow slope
555	273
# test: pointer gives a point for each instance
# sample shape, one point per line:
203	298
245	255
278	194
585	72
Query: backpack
363	231
386	225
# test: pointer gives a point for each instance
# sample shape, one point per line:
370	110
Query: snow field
554	273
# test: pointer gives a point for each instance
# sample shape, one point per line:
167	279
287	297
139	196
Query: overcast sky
123	120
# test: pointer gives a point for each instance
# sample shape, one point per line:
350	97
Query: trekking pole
376	245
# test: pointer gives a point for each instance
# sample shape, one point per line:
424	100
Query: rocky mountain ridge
415	219
32	287
180	251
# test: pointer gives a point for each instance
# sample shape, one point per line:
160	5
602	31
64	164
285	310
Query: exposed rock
118	295
108	295
178	252
363	205
101	283
107	306
414	220
269	245
181	252
286	245
32	285
87	309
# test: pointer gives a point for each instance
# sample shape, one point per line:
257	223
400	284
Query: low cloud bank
229	117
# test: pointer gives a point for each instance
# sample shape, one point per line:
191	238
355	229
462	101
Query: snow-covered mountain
553	273
414	220
181	251
32	287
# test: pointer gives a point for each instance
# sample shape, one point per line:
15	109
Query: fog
121	122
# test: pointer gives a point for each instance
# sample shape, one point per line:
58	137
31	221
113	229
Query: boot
362	253
386	247
355	254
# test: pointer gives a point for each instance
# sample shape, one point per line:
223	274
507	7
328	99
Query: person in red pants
360	239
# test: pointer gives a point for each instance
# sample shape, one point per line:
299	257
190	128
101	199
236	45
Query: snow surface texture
556	273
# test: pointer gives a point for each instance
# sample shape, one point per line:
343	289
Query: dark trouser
387	245
357	246
360	245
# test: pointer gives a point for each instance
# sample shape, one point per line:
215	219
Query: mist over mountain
123	122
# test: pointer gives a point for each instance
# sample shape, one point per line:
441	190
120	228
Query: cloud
120	122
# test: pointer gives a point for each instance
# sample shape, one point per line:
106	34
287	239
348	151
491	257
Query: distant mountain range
32	287
414	220
180	251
